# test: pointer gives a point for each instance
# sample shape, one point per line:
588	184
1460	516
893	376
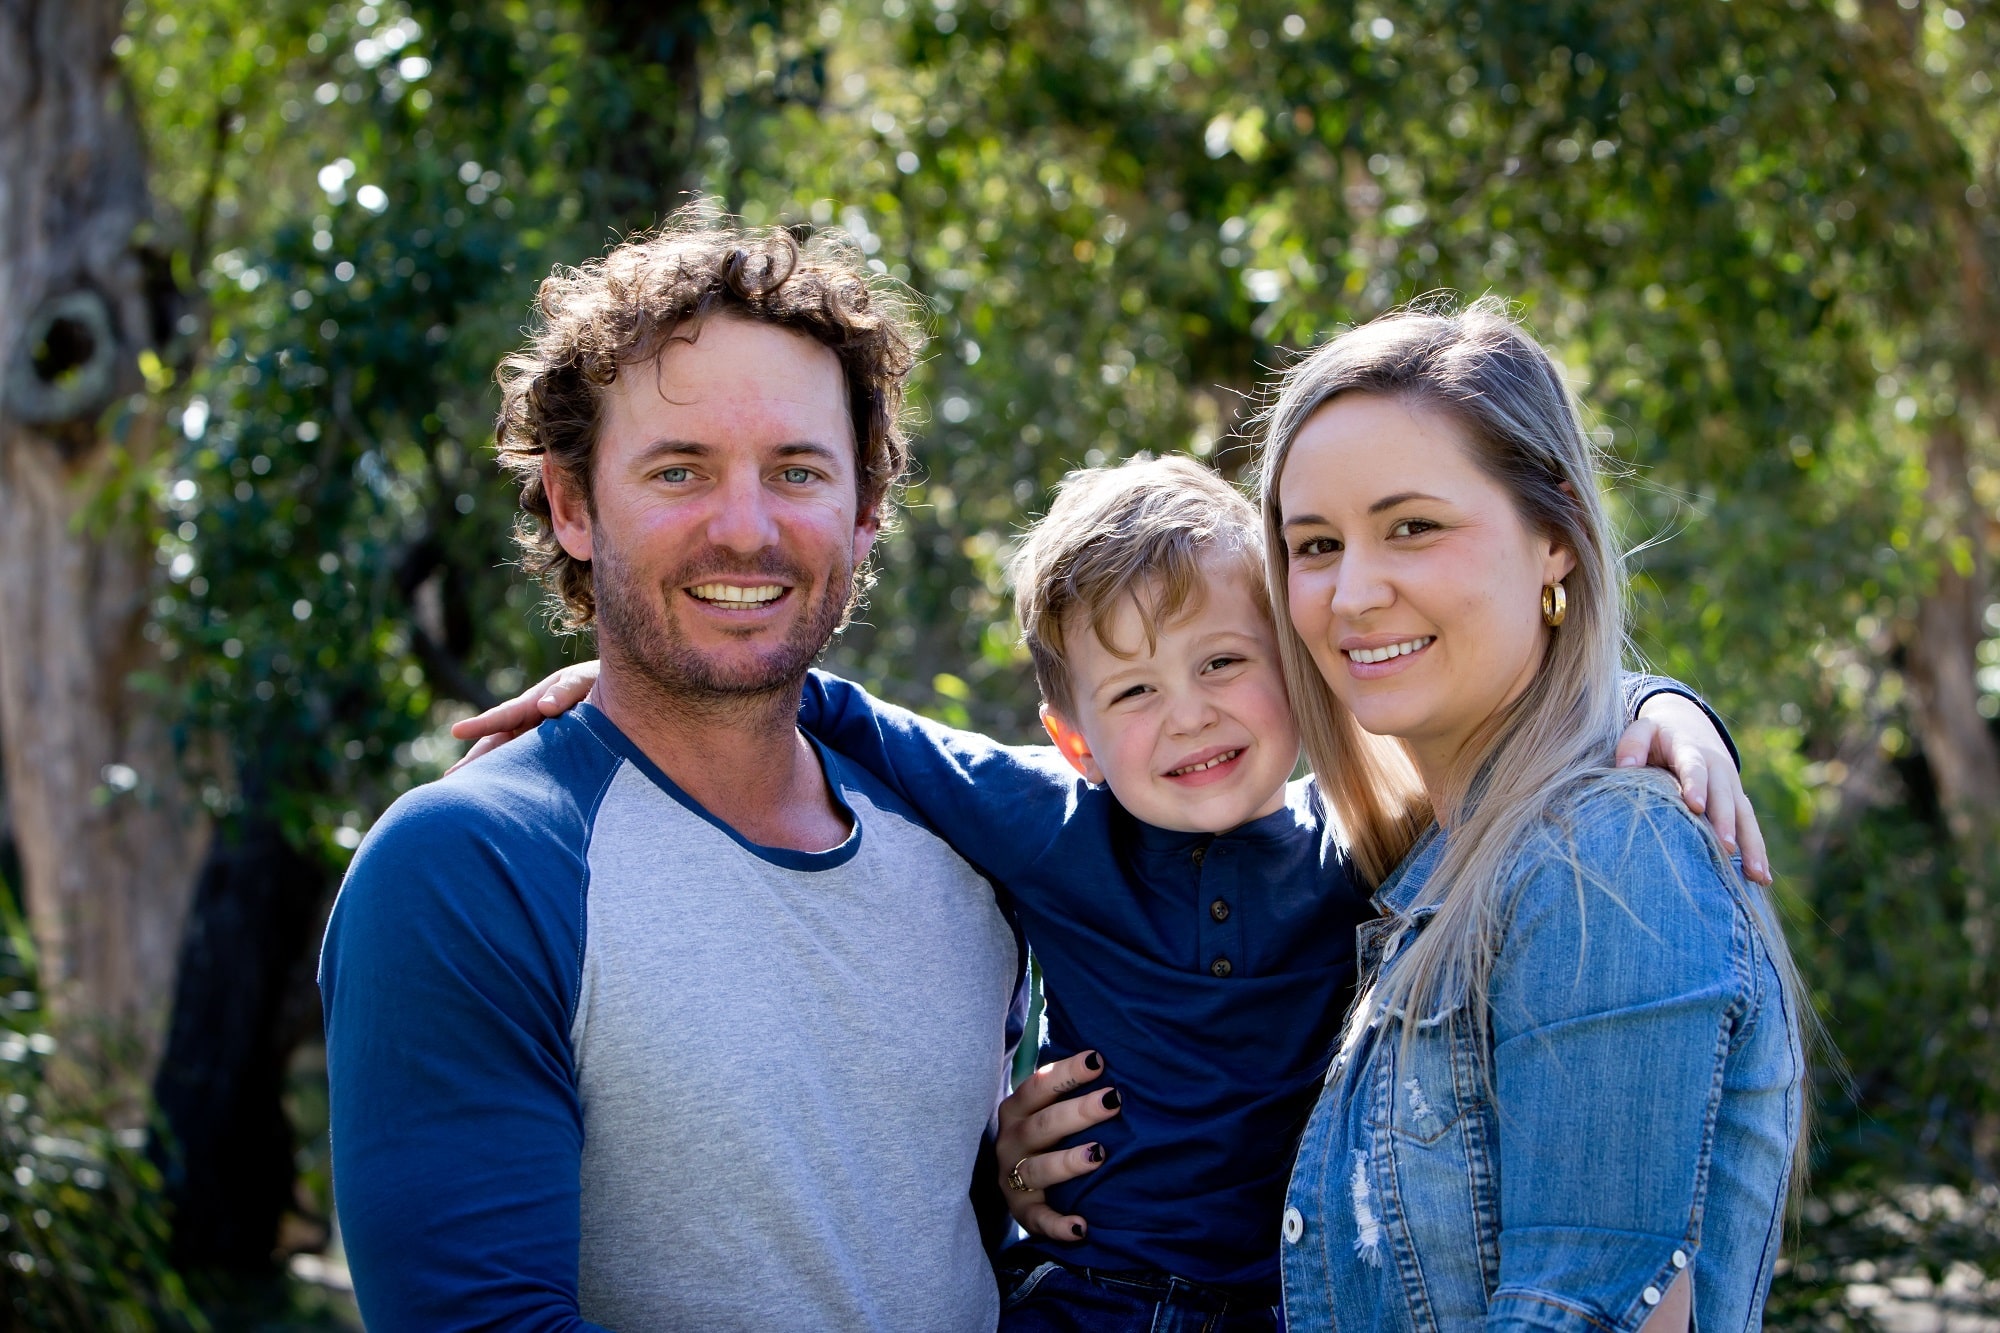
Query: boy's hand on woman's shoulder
1036	1117
1673	733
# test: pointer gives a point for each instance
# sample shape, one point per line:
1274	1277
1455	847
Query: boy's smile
1192	732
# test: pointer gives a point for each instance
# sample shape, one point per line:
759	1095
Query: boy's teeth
1222	758
729	592
1387	651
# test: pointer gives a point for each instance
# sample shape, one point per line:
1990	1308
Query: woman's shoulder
1626	832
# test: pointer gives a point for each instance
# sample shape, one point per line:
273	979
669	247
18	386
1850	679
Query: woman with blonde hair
1572	1092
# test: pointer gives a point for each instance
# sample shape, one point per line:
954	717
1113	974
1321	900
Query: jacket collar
1407	880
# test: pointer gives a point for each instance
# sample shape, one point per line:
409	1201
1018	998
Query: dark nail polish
1112	1100
1091	1061
1076	1229
1095	1153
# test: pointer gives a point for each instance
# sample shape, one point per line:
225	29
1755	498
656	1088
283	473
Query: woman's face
1414	581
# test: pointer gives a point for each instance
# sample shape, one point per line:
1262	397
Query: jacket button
1200	855
1295	1226
1219	910
1680	1259
1650	1295
1221	968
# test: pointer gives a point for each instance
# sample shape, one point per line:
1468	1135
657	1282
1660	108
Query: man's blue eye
798	476
675	475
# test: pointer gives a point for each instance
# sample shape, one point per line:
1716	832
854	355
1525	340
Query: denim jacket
1635	1114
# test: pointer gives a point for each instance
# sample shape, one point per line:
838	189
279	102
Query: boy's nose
1190	714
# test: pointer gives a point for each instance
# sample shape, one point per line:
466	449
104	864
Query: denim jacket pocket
1432	1130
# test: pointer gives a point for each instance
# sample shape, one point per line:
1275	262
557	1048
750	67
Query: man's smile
731	594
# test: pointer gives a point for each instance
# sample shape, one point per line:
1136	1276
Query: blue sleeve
1639	687
449	977
1622	979
999	806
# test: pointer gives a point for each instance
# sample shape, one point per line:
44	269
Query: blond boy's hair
1141	530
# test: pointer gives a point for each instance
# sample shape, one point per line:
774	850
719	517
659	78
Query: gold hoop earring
1555	604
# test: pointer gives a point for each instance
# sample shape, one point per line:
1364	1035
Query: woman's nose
1358	587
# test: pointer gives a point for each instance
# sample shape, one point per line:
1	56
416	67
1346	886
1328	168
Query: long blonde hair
1481	369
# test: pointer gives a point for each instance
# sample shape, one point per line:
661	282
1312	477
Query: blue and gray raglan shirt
595	1057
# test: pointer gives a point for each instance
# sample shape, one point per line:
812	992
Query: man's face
725	529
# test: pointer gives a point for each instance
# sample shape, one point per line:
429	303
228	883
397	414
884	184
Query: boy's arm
1674	728
1641	688
999	806
457	1134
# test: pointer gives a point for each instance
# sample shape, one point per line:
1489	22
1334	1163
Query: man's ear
1072	744
867	527
569	511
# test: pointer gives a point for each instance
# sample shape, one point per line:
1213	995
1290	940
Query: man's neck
742	759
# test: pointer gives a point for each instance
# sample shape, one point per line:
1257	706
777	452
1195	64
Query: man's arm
449	976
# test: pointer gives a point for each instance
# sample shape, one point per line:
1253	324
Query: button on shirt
1210	970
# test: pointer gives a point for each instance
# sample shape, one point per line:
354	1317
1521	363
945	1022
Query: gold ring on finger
1014	1178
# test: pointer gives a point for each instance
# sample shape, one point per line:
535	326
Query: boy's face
1195	734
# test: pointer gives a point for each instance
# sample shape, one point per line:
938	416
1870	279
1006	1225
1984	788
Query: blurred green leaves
83	1242
1759	234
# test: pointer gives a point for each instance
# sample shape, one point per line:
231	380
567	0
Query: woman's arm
1622	984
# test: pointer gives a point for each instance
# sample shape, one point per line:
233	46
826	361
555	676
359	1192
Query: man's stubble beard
637	630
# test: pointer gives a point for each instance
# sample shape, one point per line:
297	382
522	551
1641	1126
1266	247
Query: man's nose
743	518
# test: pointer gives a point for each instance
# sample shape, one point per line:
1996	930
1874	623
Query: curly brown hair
621	310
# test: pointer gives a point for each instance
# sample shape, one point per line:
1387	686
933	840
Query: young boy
1191	909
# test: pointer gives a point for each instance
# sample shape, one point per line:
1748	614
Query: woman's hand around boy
1036	1117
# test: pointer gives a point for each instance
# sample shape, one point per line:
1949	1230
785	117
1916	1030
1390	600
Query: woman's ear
1074	747
1558	563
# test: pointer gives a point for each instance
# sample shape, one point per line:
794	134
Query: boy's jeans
1049	1297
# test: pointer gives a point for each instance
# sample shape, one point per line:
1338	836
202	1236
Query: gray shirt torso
785	1063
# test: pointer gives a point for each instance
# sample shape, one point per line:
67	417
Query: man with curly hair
667	1017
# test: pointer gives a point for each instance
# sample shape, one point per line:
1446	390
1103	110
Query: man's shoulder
542	787
496	847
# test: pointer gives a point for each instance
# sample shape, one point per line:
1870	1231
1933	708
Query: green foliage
83	1243
1747	227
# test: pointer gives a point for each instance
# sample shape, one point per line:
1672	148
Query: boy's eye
1218	663
1412	527
1315	546
1132	692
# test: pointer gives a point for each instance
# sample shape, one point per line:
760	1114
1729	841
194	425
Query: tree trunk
244	1001
1943	641
107	836
1943	661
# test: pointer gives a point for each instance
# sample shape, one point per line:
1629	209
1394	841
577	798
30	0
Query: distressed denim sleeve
999	806
1621	982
